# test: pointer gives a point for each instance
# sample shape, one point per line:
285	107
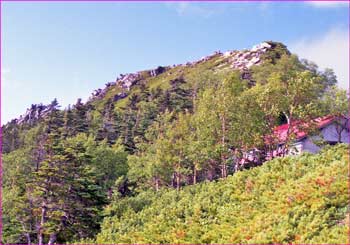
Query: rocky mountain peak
34	113
237	60
241	60
245	59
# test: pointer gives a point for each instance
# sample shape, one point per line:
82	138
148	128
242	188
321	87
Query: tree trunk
194	175
27	235
223	166
286	144
136	123
157	183
42	223
339	128
52	238
178	179
339	136
173	180
211	172
223	139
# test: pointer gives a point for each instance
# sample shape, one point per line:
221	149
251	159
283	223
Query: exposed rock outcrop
157	71
240	60
243	60
34	113
125	81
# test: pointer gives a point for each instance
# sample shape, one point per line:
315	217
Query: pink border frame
161	1
256	1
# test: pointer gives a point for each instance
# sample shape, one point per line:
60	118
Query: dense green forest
118	168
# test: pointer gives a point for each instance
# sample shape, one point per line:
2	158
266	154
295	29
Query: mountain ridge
232	59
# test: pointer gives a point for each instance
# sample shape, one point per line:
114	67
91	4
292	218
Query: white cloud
181	7
210	9
330	50
197	9
328	4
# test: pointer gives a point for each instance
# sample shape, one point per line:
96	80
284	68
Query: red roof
298	128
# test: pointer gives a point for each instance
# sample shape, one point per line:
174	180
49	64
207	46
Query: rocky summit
235	60
240	60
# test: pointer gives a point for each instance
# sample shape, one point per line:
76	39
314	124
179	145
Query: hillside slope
287	200
153	83
130	159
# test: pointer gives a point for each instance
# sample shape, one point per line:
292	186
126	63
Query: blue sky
66	50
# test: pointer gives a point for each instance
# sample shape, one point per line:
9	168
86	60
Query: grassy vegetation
162	80
287	200
95	168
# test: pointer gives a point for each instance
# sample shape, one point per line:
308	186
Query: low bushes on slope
287	200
